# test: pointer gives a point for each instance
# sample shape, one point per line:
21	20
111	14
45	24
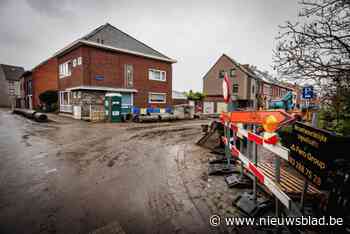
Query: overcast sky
195	33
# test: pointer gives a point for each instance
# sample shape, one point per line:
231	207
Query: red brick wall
110	65
76	79
44	78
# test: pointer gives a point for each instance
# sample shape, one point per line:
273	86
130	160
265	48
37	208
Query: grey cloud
61	8
194	32
4	3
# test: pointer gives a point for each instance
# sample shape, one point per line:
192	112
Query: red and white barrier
269	143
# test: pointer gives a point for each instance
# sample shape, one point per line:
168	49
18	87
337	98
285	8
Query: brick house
109	60
251	87
9	84
41	78
244	85
105	60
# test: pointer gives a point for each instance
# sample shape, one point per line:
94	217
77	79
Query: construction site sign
314	152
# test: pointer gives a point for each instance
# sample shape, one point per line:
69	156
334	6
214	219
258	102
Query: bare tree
317	50
318	47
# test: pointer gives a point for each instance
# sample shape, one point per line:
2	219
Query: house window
253	89
221	74
157	98
128	75
158	75
74	62
79	61
233	72
65	69
235	88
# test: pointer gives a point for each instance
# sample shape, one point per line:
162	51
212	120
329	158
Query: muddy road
72	176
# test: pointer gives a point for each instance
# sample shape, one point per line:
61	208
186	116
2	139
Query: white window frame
74	62
128	83
156	70
64	70
79	61
153	93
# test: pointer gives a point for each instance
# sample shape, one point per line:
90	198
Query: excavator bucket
212	138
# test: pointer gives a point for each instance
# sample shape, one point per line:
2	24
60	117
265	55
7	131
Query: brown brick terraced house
244	85
251	87
108	60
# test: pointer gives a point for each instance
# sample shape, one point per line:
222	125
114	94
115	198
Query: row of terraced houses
251	87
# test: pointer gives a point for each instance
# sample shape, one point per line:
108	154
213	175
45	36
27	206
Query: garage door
208	107
221	107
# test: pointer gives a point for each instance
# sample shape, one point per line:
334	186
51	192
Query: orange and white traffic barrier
270	143
271	185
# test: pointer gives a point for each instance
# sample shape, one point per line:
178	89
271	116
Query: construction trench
69	176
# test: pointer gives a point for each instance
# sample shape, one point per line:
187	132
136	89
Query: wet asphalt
73	176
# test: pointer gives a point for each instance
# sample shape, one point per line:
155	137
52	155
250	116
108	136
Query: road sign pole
227	147
230	108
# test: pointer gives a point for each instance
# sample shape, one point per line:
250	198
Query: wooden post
278	179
